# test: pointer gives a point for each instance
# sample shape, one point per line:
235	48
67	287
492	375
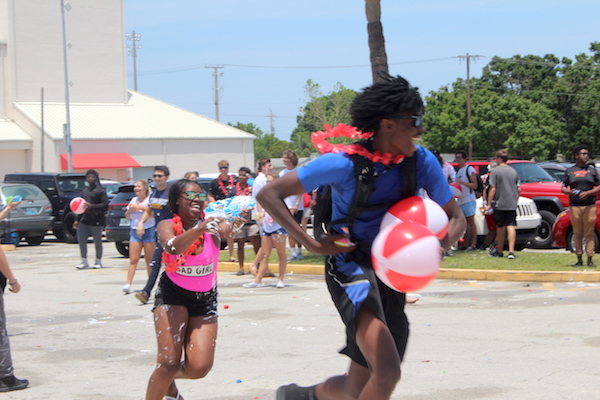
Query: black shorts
385	303
505	217
298	216
199	304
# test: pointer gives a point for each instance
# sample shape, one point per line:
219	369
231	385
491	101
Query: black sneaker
295	392
494	252
11	383
590	263
511	256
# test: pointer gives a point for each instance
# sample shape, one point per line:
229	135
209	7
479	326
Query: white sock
293	252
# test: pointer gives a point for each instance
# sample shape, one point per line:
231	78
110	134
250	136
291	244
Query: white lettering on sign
199	270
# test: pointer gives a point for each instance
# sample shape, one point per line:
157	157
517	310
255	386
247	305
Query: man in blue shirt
376	326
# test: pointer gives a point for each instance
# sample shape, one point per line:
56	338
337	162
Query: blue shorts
279	231
468	209
149	235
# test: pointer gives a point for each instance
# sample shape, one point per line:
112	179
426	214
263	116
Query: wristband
12	283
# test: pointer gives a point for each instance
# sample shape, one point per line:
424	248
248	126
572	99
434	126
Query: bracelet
12	283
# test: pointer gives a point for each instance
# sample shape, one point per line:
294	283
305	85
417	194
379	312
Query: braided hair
384	99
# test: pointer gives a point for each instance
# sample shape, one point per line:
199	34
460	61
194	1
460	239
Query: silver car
31	219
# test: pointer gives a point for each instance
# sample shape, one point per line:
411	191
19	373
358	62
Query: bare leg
135	250
279	243
500	238
512	237
266	248
374	383
148	252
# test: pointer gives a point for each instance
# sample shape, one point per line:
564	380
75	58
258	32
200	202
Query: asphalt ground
75	335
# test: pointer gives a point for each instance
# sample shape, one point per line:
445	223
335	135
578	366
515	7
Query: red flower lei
174	264
224	189
318	140
242	192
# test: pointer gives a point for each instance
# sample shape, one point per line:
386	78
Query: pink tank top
199	273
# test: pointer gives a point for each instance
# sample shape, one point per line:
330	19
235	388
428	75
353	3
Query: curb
460	274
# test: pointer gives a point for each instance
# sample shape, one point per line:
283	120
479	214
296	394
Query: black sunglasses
225	167
191	196
157	176
418	119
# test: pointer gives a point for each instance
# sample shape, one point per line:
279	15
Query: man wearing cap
92	221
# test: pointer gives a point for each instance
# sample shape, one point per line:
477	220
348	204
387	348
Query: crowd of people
170	227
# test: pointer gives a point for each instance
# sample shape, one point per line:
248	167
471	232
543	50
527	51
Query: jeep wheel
34	240
68	232
543	237
123	248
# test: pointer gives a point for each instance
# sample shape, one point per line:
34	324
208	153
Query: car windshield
111	188
26	192
72	184
531	172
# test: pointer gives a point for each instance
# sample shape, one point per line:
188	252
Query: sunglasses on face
157	176
418	119
191	196
225	167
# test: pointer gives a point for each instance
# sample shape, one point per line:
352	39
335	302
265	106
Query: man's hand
327	246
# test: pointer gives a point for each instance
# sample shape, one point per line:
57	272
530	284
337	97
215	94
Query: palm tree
379	62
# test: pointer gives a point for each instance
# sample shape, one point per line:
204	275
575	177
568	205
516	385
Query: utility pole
468	58
67	125
271	116
133	51
216	87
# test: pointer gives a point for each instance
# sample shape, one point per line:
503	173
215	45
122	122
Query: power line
192	67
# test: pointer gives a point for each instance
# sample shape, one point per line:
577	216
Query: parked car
31	219
60	189
528	221
112	187
117	226
562	231
555	169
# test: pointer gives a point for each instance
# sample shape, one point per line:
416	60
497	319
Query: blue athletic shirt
337	170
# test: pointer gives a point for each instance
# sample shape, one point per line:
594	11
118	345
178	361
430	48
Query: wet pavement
75	335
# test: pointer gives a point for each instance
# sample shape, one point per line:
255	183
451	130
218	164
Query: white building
122	133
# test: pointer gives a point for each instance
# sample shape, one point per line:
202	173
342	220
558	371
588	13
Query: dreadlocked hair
387	98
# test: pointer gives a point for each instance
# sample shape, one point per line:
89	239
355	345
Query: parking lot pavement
74	335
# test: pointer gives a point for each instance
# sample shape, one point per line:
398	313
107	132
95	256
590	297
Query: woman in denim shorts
142	233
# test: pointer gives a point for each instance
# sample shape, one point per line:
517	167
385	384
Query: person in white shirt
294	204
467	178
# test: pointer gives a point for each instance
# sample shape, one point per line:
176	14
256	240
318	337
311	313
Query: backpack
365	179
479	189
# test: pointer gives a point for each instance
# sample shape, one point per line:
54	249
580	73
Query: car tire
34	240
571	242
69	234
123	248
543	237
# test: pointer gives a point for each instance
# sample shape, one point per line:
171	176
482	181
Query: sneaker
511	256
470	248
280	284
11	383
292	258
83	264
299	256
98	263
295	392
240	272
127	289
252	285
142	297
495	253
449	253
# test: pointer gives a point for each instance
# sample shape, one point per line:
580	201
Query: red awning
99	161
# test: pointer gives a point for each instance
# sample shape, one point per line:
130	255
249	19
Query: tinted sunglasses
225	167
418	119
157	176
191	196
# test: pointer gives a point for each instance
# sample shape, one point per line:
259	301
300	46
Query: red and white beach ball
78	205
406	256
456	189
417	209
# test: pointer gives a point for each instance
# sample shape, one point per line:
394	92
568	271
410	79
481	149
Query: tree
331	109
378	56
266	145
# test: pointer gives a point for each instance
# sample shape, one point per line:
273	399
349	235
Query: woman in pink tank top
185	309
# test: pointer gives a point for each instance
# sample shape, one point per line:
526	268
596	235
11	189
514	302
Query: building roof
10	131
142	117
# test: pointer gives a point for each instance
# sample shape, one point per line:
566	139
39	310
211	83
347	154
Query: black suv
60	190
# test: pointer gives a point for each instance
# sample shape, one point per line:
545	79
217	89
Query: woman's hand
139	230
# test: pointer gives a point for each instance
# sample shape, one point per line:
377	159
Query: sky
268	49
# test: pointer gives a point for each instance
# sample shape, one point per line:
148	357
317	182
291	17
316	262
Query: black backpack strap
409	176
